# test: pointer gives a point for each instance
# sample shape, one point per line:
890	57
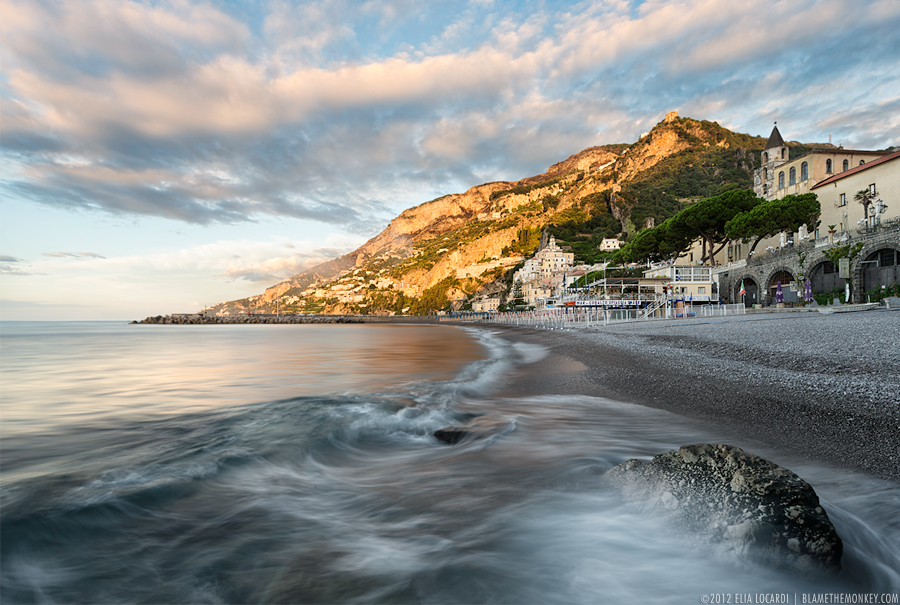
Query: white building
544	272
610	243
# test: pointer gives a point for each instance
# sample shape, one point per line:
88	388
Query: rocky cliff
432	244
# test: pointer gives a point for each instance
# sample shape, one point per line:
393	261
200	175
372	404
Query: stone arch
879	266
824	276
783	274
765	157
752	288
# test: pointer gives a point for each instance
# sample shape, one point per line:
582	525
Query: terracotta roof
775	139
866	166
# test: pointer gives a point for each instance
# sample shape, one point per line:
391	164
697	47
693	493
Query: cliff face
416	224
457	234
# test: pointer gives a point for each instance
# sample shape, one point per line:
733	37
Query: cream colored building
693	282
779	176
544	272
486	305
836	195
610	243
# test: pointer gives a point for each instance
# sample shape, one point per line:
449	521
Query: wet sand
824	387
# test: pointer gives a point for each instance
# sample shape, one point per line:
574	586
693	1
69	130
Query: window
861	162
827	166
781	180
793	177
765	157
701	290
804	171
765	175
843	201
872	189
846	165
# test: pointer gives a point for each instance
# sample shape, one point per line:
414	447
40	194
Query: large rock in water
741	506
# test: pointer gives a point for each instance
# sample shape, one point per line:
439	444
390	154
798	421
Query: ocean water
276	464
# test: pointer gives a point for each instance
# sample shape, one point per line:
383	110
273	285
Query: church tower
774	155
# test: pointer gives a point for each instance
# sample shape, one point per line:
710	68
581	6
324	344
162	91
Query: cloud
73	255
270	270
9	259
9	270
345	114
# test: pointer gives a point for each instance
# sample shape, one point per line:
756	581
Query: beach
823	387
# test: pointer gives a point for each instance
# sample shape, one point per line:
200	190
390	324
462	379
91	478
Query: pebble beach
824	387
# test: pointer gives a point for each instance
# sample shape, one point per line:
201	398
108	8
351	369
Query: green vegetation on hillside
526	242
434	298
524	189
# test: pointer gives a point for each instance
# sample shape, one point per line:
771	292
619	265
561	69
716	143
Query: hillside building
611	243
880	177
779	176
544	272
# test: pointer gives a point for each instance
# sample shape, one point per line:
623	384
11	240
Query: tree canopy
708	217
703	220
774	216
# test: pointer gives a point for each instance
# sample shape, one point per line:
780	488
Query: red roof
866	166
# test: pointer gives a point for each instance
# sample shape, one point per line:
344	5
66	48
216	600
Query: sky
160	157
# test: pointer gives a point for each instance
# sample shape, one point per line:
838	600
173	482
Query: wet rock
744	507
452	434
478	427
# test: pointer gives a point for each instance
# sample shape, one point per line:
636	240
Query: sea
297	464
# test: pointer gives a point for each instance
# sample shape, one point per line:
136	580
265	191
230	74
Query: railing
891	224
651	309
593	316
721	310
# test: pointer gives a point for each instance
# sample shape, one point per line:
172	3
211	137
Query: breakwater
261	318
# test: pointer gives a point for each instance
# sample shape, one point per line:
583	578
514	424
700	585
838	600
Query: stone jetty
201	318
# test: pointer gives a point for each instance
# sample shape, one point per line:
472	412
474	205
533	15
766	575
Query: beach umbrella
779	295
807	293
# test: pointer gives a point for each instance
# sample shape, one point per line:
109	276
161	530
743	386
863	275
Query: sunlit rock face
741	506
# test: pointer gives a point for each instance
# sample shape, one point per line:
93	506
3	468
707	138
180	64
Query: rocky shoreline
824	387
260	318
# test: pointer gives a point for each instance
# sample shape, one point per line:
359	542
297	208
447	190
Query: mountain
466	244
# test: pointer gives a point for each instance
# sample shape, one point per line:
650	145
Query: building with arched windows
778	174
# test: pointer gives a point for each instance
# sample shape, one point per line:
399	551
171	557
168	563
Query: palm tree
864	197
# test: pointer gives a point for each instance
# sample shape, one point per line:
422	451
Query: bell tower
774	155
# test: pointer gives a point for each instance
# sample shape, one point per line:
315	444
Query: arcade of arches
877	266
880	269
